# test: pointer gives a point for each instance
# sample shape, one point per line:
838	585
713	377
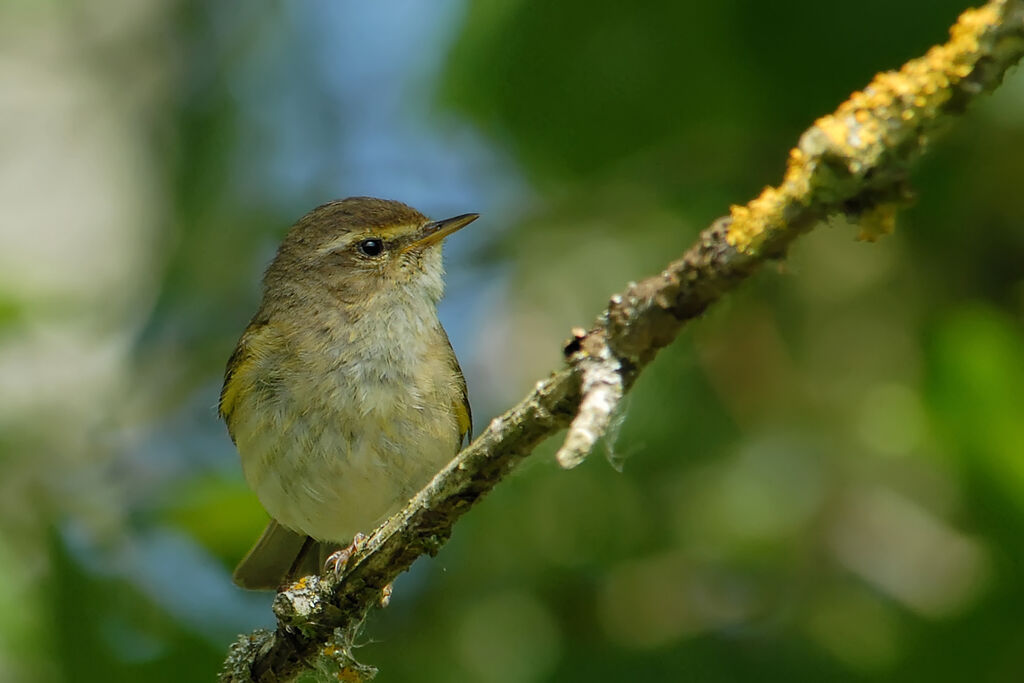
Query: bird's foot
336	561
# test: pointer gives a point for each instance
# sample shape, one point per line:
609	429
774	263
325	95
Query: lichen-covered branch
601	382
854	162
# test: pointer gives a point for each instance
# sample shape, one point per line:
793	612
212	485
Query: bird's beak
434	232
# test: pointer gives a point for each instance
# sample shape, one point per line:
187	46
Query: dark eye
371	247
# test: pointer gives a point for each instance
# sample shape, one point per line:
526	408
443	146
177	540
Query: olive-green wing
462	410
236	375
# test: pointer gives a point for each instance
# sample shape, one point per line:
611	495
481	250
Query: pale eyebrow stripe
350	238
340	241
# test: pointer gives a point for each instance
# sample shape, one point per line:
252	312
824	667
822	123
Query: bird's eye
371	247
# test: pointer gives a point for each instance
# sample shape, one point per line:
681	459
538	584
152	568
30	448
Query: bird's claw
336	561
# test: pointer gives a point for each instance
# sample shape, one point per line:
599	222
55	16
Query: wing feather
463	413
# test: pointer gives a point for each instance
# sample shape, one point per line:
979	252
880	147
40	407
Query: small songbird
343	396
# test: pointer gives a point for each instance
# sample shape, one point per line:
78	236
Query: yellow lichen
895	107
878	221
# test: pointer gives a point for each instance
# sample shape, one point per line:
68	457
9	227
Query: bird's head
361	249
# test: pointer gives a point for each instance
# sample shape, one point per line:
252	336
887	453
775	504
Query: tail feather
280	556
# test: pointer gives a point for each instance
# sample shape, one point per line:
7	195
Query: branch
852	162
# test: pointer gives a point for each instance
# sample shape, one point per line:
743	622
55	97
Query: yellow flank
234	384
259	341
869	132
462	418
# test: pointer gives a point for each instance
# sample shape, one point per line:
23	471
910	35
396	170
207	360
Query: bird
343	395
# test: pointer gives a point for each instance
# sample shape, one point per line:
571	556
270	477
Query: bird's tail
280	556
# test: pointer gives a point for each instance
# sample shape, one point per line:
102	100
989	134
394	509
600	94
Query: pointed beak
434	232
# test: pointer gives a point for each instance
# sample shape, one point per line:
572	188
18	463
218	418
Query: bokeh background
822	479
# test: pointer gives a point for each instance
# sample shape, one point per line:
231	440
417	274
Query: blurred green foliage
823	479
